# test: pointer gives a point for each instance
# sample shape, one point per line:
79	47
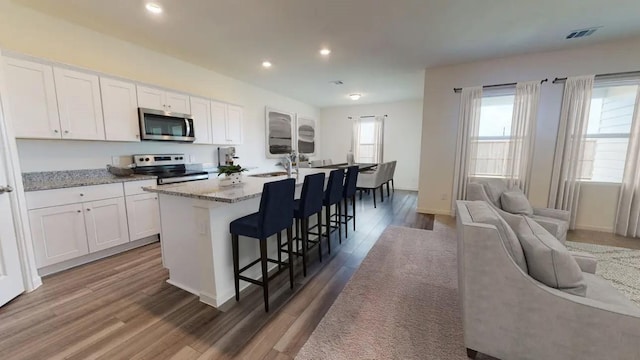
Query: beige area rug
402	303
621	266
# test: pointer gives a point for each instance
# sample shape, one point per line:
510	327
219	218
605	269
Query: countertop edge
80	183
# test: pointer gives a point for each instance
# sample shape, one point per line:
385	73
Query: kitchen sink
270	174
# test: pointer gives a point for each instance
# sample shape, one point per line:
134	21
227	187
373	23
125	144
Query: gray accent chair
490	190
509	315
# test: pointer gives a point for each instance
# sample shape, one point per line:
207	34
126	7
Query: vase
236	178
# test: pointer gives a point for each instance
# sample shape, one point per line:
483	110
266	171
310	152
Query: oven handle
186	122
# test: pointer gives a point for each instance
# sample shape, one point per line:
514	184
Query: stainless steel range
169	168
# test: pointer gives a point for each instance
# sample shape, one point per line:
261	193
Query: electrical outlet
444	197
192	158
115	160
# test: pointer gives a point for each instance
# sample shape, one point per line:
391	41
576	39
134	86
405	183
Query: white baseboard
434	211
594	228
52	269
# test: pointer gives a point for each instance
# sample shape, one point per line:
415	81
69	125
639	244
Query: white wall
33	33
440	121
401	136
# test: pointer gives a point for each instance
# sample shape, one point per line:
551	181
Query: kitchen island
195	238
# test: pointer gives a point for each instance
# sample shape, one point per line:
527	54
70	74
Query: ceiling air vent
581	33
336	82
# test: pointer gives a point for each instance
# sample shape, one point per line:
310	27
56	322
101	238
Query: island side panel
180	248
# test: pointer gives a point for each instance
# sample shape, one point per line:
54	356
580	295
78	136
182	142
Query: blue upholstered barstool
309	204
333	196
349	193
275	215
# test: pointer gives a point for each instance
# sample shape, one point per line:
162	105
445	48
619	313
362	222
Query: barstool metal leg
297	234
328	219
346	218
381	193
279	235
290	251
265	275
320	235
305	244
353	205
236	265
374	198
339	217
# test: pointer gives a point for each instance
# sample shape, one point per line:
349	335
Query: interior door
11	284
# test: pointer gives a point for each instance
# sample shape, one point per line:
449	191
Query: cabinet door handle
56	131
88	209
81	194
79	211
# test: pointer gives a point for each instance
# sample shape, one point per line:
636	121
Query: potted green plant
232	173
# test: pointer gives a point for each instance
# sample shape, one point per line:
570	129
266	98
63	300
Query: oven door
165	126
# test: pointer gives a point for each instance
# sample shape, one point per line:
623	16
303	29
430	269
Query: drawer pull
88	209
79	211
81	194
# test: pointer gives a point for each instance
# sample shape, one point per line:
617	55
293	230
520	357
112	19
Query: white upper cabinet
152	98
219	122
177	103
32	99
120	110
226	123
79	104
201	112
234	124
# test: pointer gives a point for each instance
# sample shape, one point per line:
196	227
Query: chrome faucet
288	164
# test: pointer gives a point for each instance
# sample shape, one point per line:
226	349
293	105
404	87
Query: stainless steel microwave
165	126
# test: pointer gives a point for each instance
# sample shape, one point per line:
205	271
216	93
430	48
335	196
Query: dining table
361	166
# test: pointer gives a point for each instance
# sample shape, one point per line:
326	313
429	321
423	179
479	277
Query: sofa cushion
481	212
494	189
548	260
516	202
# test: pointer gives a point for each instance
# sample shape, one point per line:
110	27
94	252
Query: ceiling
380	48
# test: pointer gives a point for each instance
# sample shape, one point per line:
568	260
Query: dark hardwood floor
122	308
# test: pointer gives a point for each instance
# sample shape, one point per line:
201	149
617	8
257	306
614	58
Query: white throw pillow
548	261
515	202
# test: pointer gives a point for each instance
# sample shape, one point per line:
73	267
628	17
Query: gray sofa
490	190
509	315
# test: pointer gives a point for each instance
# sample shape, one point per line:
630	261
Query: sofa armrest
553	213
587	262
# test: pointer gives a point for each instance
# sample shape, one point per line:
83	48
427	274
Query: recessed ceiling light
154	8
325	51
355	97
266	64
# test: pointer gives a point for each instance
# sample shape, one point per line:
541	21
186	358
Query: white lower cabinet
58	233
106	223
71	222
143	213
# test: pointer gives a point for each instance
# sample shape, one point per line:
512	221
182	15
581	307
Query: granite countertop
251	187
47	180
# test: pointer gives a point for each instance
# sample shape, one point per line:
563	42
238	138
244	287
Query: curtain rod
457	90
601	76
368	116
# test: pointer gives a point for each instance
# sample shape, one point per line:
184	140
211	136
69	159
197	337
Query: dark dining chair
274	216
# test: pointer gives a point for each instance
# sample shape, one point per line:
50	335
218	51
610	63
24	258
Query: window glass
492	151
610	119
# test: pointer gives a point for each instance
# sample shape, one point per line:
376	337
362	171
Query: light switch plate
115	160
192	158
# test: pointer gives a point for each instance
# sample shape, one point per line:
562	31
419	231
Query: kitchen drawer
135	187
55	197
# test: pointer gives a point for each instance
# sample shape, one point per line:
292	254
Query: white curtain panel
567	167
468	129
523	129
628	214
379	140
355	139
